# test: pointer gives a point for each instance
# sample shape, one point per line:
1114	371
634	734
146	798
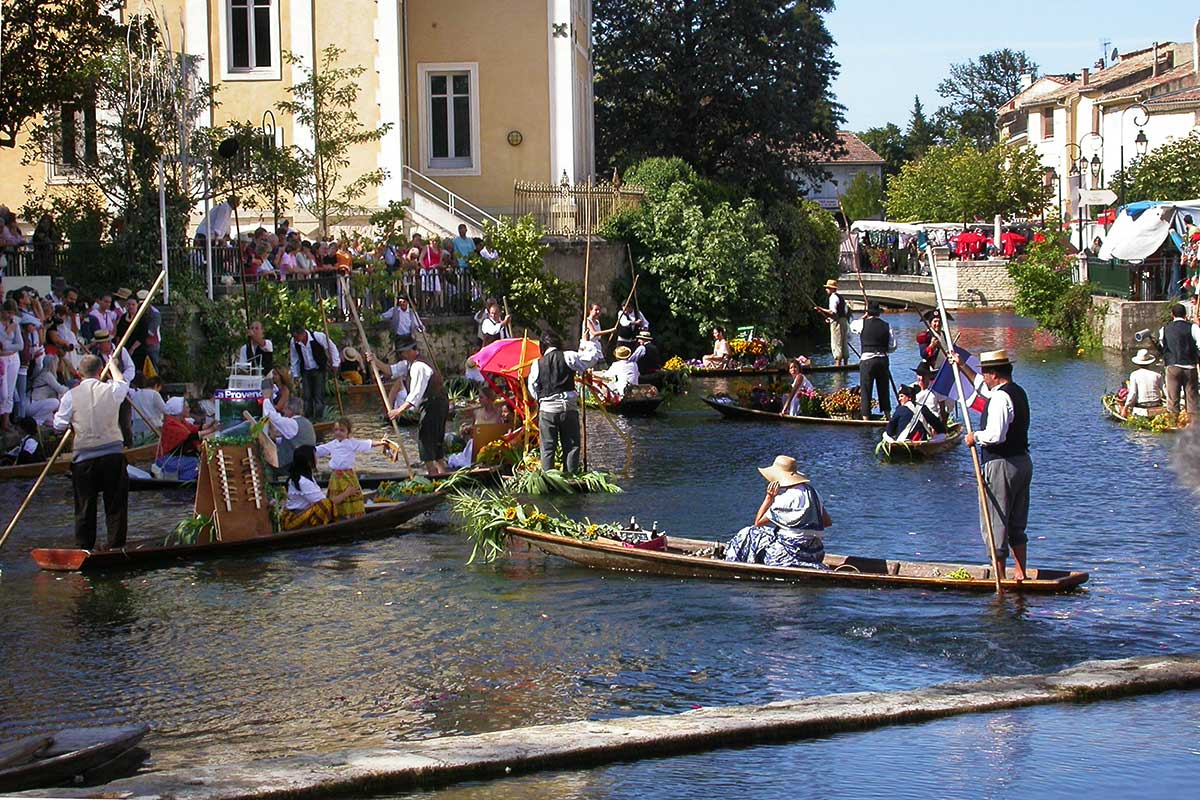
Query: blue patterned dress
793	537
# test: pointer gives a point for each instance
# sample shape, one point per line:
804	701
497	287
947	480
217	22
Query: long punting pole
366	345
989	542
587	265
111	369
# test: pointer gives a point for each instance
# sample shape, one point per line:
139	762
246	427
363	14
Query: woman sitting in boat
719	359
788	527
179	445
801	385
913	423
351	369
30	450
342	479
307	504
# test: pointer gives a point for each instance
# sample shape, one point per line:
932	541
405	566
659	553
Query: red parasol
503	357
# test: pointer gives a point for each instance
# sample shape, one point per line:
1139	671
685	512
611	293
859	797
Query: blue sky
891	50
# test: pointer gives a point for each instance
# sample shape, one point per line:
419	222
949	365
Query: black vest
651	361
876	335
263	358
1017	441
318	352
625	333
554	376
1180	348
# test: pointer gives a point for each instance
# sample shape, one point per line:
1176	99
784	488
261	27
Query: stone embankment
446	760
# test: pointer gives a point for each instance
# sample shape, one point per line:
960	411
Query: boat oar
337	390
366	345
111	369
962	405
37	485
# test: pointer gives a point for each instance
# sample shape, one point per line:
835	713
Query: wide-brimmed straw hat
101	336
622	352
831	284
142	294
1144	357
783	471
123	293
351	354
994	358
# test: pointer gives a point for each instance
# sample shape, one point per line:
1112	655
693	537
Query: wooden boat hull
63	465
1112	410
701	372
375	523
636	406
917	451
679	560
73	752
730	411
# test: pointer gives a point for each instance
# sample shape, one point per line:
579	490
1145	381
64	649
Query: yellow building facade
478	93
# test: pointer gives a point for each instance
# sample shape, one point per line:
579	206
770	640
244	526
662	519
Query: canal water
374	643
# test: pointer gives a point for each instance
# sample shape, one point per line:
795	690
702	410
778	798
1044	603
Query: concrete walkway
437	762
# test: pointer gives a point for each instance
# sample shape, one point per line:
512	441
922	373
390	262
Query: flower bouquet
842	404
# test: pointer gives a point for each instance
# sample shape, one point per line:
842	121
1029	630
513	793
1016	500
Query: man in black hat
426	393
929	343
911	422
1007	469
552	384
874	369
313	356
926	397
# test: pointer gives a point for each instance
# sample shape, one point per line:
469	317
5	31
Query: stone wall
1122	319
972	284
566	257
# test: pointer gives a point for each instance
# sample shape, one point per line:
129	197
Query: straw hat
783	471
101	336
351	354
622	352
142	294
644	336
123	293
1144	358
175	406
831	284
994	358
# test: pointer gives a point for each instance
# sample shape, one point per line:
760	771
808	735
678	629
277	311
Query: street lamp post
1140	142
268	131
1071	164
1095	166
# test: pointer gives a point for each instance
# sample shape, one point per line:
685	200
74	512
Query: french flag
943	382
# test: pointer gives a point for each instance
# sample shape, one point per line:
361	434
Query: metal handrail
453	201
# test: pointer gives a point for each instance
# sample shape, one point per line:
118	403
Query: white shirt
286	427
333	357
402	321
834	300
243	353
62	418
492	327
588	355
218	222
1000	413
309	494
1195	338
341	452
151	404
636	319
1145	386
856	328
622	375
127	368
419	374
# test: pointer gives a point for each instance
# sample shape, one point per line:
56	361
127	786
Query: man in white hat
623	372
1145	385
1007	469
837	314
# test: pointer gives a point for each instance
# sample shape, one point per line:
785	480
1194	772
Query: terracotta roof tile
1123	69
857	151
1147	84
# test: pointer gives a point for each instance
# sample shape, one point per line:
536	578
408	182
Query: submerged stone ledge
446	760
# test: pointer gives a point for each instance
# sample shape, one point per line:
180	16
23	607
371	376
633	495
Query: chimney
1083	76
1196	48
1154	62
1027	78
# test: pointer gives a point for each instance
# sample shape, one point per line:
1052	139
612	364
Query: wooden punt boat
692	558
917	451
750	372
380	520
61	758
63	465
1113	409
635	406
731	411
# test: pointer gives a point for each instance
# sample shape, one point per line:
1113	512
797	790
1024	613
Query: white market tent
1141	228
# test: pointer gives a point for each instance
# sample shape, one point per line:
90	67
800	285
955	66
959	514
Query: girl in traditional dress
787	530
720	354
343	481
800	385
307	504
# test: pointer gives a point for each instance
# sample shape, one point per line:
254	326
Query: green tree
890	143
863	198
957	183
1168	172
977	88
741	91
920	135
702	260
809	239
1046	292
537	296
51	53
324	103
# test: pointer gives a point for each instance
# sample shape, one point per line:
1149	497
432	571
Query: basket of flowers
842	404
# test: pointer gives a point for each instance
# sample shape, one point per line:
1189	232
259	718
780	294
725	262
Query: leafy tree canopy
51	52
741	91
957	183
975	90
890	143
863	198
1168	172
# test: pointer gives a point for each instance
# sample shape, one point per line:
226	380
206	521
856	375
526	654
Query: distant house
856	157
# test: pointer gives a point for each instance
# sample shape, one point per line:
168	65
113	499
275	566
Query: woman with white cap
1145	385
788	528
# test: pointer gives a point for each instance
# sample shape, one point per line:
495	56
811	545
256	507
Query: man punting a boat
426	393
98	462
874	367
1179	341
1007	468
552	384
837	314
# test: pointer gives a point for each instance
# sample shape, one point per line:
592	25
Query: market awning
1141	228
